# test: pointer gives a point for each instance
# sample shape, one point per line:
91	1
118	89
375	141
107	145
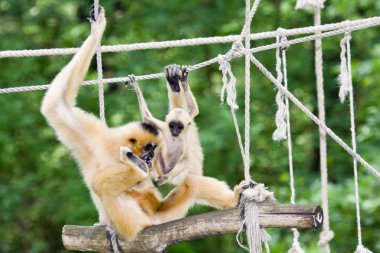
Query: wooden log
157	238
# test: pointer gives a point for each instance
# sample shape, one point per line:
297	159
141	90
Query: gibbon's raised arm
179	93
146	115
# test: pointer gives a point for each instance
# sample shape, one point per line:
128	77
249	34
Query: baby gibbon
180	160
114	162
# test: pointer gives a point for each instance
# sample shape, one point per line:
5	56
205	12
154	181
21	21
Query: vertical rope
247	82
346	80
99	70
327	234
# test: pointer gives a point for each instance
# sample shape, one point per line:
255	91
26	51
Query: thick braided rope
208	62
324	242
247	84
280	120
99	70
186	42
314	118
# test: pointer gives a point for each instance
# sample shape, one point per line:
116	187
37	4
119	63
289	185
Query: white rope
315	119
343	76
347	76
280	132
208	62
324	241
186	42
310	4
99	69
247	84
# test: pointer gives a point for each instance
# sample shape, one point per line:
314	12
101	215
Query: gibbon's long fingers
210	191
176	204
117	179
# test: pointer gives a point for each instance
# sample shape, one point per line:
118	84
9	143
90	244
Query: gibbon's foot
98	23
238	190
127	155
161	180
173	77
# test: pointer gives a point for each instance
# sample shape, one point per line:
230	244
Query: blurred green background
40	186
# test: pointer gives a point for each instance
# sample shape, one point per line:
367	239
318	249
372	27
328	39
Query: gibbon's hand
98	23
173	77
131	81
126	156
183	74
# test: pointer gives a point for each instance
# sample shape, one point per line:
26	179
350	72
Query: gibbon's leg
144	110
126	214
117	179
192	106
181	170
71	123
211	191
176	204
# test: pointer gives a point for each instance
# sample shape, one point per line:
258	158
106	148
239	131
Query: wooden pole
157	238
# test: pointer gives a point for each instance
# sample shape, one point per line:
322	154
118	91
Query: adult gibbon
114	162
180	160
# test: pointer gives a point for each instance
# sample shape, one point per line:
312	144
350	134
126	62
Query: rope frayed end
343	76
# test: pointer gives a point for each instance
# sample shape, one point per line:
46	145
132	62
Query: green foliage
40	186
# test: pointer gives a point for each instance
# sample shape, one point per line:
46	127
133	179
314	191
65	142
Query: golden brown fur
119	186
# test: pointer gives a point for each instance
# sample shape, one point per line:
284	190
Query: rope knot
325	237
228	79
256	192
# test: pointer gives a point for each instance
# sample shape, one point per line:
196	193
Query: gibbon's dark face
143	141
175	127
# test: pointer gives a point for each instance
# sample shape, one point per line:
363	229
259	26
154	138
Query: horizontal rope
208	62
187	42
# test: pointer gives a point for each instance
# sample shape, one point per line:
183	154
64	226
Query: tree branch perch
157	238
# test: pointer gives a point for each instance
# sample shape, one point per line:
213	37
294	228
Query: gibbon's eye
171	125
132	140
